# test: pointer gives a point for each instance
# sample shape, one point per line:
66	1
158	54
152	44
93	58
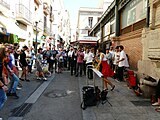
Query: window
90	21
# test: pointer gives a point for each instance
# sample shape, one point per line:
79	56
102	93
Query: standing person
3	87
80	57
28	58
106	70
10	64
74	61
109	57
52	59
16	54
60	60
33	57
89	59
115	59
39	72
23	64
65	58
111	50
70	57
84	61
122	63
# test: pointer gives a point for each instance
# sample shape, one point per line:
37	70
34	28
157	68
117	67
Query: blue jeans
14	83
3	98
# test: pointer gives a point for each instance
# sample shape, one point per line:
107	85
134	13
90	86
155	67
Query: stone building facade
150	63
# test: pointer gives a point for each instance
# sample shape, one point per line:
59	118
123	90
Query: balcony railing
5	4
23	14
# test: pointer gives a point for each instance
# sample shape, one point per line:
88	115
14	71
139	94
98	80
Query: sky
73	6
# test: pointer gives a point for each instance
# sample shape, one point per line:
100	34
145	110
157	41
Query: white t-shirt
89	57
116	58
70	53
123	63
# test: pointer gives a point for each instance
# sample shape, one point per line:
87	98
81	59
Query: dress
106	70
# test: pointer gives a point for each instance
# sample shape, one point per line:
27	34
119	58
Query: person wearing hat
23	64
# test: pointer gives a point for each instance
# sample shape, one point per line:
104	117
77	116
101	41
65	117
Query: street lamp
36	37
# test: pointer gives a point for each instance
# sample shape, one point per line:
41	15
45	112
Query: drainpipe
101	32
117	20
148	14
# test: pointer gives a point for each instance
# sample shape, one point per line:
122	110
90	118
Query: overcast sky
73	6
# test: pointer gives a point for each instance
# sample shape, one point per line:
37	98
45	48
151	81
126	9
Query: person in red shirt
80	57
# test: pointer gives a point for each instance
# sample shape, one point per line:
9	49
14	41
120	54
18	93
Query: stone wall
150	63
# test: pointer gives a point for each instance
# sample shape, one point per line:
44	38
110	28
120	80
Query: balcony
23	14
45	8
4	5
51	17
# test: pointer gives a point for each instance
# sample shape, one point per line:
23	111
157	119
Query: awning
9	25
87	42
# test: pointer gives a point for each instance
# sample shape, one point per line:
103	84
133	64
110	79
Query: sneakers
155	104
38	78
18	88
45	79
14	95
27	80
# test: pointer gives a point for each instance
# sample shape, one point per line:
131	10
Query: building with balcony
87	18
61	24
8	28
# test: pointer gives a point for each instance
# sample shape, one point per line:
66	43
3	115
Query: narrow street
59	98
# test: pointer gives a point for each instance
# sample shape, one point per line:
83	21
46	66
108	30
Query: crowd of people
78	61
52	60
